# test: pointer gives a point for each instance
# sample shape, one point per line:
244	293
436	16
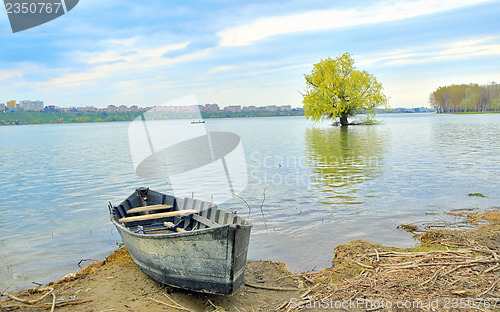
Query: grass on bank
472	113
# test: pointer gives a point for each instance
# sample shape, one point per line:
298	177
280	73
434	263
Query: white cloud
223	68
124	59
449	51
471	48
128	50
329	19
9	74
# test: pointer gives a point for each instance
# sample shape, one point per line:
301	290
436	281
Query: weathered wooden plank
157	216
121	211
226	218
187	221
204	220
149	208
203	214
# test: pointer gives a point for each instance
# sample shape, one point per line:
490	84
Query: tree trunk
343	120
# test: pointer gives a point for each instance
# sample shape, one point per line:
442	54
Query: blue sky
147	53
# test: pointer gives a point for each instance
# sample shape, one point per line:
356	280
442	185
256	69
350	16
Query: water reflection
341	158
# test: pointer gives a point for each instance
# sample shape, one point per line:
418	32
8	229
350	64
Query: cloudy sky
236	53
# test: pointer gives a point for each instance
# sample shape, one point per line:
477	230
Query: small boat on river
183	242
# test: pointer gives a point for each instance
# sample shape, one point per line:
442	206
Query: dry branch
180	307
271	287
50	290
46	306
53	302
169	305
310	290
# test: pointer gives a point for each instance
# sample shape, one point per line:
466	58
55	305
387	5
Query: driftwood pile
459	279
450	271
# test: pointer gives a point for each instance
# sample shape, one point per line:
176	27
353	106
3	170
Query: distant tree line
49	117
466	98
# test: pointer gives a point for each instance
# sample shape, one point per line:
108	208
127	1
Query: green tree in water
336	89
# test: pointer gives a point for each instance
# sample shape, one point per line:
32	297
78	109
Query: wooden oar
149	208
173	227
158	216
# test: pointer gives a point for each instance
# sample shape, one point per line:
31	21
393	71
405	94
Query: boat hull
205	260
211	259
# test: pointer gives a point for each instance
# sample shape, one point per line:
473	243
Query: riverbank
56	117
450	270
473	113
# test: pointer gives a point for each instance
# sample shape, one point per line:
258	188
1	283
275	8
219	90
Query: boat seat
205	221
157	216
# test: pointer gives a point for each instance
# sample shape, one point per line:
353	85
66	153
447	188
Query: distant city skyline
237	53
37	105
22	103
207	108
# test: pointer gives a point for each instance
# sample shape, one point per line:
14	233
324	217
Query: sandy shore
449	271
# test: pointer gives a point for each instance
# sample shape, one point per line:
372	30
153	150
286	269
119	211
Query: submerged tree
336	89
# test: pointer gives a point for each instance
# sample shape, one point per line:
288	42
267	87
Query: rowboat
183	242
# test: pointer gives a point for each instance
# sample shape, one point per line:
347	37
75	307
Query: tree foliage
44	117
336	89
466	98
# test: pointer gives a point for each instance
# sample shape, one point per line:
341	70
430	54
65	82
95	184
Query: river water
310	186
